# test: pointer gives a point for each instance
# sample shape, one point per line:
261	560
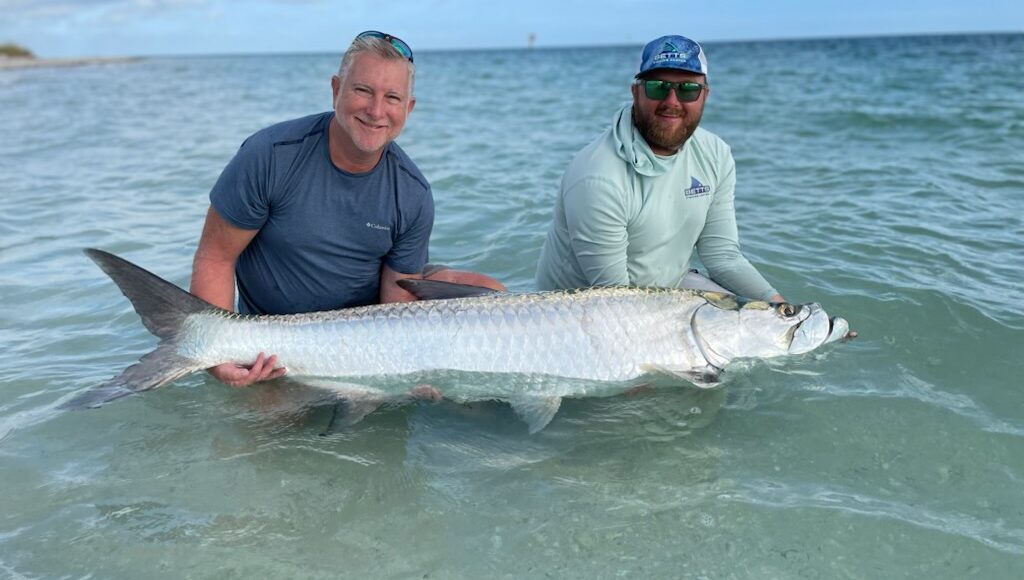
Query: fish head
726	328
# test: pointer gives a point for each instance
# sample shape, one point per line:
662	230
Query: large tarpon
528	349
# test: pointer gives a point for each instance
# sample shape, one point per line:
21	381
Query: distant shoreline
17	62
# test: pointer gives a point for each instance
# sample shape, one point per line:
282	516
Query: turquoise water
883	178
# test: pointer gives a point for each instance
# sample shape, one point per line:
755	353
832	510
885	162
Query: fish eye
787	310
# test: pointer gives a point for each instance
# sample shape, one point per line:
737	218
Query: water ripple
992	533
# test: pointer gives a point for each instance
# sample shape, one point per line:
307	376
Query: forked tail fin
163	308
161	305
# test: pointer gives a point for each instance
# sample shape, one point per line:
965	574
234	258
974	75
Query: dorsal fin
438	290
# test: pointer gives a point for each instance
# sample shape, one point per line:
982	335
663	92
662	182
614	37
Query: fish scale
604	335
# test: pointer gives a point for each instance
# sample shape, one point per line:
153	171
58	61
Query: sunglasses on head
686	91
396	42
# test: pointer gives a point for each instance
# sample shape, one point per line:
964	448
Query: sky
73	28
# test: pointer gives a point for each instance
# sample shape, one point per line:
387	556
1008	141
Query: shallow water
883	178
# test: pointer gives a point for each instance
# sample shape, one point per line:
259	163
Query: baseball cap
673	51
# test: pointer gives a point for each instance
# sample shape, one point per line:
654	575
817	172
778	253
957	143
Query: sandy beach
9	62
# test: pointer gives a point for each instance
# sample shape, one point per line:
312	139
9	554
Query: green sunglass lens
402	48
688	92
657	90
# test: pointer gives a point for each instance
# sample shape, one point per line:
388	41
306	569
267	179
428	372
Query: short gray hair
379	47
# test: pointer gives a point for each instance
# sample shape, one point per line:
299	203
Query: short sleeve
241	193
410	251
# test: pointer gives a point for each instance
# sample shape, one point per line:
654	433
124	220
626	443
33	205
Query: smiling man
636	202
325	211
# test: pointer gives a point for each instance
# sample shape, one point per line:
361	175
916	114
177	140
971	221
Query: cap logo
669	51
672	56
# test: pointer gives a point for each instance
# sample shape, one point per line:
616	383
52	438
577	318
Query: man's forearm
390	291
214	281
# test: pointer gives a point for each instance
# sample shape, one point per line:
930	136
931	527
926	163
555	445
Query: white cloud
15	10
22	9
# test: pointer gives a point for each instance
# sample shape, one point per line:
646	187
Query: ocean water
881	177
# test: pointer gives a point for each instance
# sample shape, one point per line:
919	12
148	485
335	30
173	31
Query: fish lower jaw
839	328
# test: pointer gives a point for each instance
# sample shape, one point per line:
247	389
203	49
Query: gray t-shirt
323	233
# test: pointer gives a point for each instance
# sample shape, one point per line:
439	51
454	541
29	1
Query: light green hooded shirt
626	216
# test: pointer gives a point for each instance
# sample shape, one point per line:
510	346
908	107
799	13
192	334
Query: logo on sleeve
696	189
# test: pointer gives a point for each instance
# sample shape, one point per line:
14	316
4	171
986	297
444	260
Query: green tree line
11	49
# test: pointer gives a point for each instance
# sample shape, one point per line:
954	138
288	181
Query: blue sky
65	28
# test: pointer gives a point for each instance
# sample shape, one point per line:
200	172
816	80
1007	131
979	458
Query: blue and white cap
676	52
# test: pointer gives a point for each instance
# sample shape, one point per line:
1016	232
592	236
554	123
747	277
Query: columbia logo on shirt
696	189
374	226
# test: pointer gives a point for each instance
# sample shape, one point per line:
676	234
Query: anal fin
536	411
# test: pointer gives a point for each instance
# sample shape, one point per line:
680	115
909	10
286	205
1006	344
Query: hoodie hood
631	147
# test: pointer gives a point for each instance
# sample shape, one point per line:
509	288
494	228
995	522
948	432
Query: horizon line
852	36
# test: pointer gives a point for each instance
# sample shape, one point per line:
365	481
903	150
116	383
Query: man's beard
661	137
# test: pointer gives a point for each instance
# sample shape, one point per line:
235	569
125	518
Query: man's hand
424	392
234	375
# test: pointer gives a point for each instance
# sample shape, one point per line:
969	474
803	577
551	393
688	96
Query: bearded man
635	203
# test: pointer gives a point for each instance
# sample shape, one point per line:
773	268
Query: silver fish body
550	345
602	334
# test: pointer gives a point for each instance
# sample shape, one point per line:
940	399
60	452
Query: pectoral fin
536	411
353	401
705	378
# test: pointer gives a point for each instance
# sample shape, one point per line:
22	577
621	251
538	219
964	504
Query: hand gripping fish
530	349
